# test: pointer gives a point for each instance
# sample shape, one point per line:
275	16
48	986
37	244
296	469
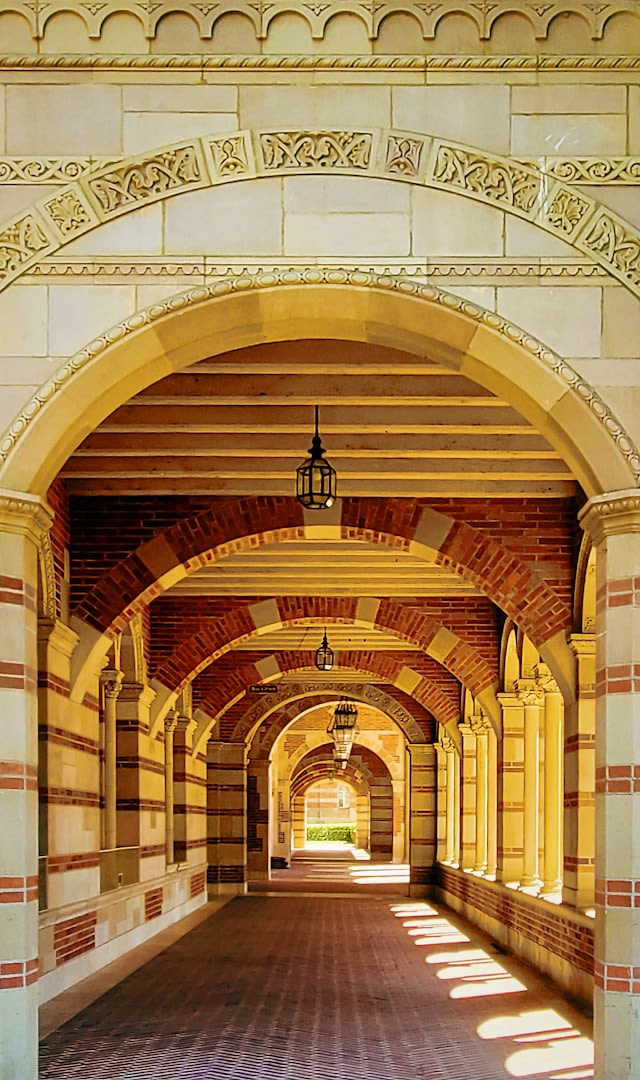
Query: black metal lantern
315	478
342	728
324	655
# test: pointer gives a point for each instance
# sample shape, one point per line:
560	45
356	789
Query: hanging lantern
315	478
342	727
324	655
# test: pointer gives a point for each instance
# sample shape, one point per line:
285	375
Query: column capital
170	723
479	723
545	680
111	681
508	699
56	634
529	692
447	743
612	514
24	514
425	750
583	644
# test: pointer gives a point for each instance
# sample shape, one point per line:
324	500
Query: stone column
139	784
613	522
452	799
111	684
441	800
422	819
258	817
23	522
532	699
553	783
480	727
510	752
226	817
282	810
190	795
468	799
169	830
579	765
492	803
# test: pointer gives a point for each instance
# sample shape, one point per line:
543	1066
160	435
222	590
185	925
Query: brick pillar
258	819
532	699
298	822
480	727
190	795
111	684
281	843
139	781
422	817
613	522
468	799
23	521
492	803
170	725
226	817
579	765
441	802
553	783
510	752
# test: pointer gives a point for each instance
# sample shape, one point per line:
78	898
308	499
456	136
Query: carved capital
170	723
545	680
479	723
612	514
529	693
111	682
25	515
447	743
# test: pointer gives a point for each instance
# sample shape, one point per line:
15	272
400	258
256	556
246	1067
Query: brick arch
261	725
272	727
384	668
368	774
242	524
222	635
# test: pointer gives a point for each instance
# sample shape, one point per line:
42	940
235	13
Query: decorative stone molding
202	268
545	680
290	691
479	724
346	278
111	681
513	186
49	607
24	513
371	14
529	693
341	63
612	514
232	157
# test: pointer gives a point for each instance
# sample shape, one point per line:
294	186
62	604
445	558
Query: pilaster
579	766
468	799
553	783
227	817
533	699
510	753
422	819
24	521
613	521
258	818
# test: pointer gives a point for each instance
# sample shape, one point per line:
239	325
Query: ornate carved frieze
492	179
21	242
403	155
316	150
593	170
567	211
427	13
231	156
615	245
69	213
42	170
148	178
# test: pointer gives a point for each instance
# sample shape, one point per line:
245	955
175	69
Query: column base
531	886
420	891
226	888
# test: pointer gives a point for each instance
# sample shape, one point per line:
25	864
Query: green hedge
335	833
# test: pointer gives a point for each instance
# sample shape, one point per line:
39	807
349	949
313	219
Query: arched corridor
408	234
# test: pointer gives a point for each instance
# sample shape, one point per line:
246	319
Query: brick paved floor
330	987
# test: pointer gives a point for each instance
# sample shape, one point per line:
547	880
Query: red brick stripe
16	776
618	977
59	864
47	681
16	974
72	937
68	797
68	738
617	779
18	890
623	592
617	892
618	679
15	676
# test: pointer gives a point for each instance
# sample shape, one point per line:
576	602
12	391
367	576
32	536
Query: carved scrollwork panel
22	241
283	150
230	156
37	170
177	168
566	211
611	241
496	181
403	156
594	170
